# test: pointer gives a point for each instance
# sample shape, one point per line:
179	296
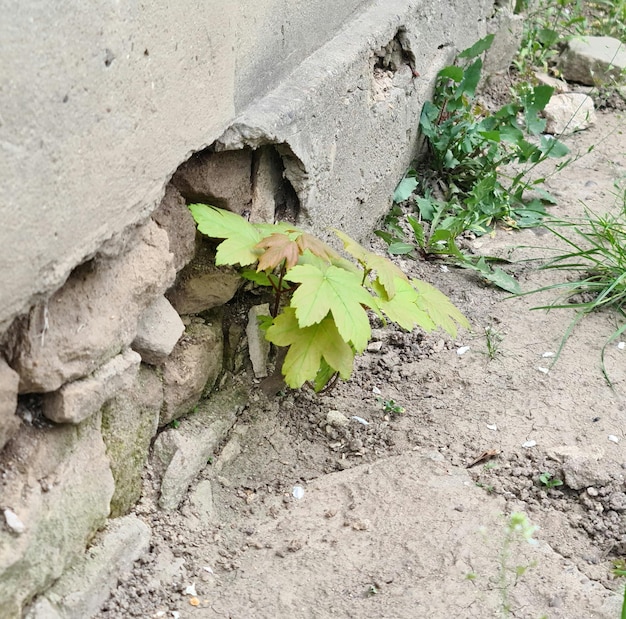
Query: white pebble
13	521
444	268
376	391
361	420
208	569
529	444
191	589
547	355
543	370
492	426
621	345
462	350
613	438
298	492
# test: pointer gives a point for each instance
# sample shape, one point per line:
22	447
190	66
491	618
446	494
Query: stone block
129	423
158	330
59	484
192	368
82	590
569	112
258	346
9	421
76	401
201	285
180	454
218	179
94	315
593	61
176	219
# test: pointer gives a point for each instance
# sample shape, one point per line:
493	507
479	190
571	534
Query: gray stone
9	421
60	488
569	112
582	472
336	419
82	590
159	328
192	368
176	219
617	501
76	401
258	346
218	179
267	185
201	501
94	315
593	61
508	29
201	285
559	86
180	454
129	423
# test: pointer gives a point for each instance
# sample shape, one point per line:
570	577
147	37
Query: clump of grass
597	261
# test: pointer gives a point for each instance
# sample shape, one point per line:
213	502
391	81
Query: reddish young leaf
278	248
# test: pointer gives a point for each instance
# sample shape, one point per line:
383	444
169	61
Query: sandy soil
392	523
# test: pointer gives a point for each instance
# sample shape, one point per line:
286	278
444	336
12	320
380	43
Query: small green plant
596	266
493	340
320	299
389	406
549	481
619	569
517	529
481	164
175	423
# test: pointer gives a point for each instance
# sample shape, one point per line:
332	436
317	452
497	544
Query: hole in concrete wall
393	66
251	182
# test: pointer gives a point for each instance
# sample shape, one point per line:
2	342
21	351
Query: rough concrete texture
87	132
508	30
192	368
9	421
176	219
258	346
77	400
569	112
180	454
129	423
158	330
62	501
201	285
94	315
80	592
343	150
593	60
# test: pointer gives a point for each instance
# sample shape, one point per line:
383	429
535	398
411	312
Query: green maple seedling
321	300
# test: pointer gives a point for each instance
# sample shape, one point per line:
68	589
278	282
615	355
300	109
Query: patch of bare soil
392	523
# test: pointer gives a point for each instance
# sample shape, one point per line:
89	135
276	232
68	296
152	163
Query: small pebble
13	521
621	345
462	350
529	444
613	438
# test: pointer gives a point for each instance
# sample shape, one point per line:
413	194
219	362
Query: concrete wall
111	314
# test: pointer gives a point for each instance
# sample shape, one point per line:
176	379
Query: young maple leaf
325	288
440	309
403	307
308	346
316	247
241	236
386	271
278	248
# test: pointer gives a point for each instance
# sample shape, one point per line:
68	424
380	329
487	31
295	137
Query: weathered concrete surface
180	454
343	148
80	592
129	423
129	94
59	484
94	316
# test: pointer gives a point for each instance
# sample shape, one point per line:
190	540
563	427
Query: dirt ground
392	523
